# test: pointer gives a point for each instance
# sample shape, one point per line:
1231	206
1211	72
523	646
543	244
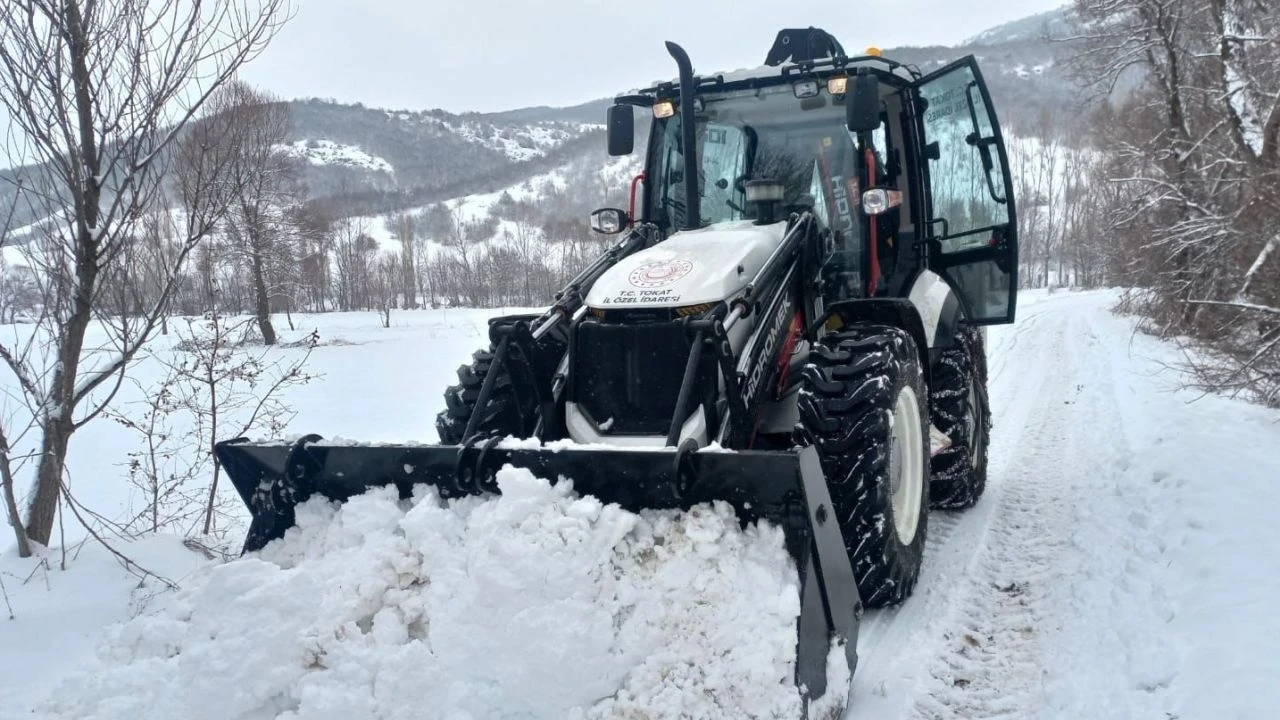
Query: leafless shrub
215	387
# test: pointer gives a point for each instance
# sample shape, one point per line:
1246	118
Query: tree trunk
262	302
56	415
43	508
57	424
211	382
10	500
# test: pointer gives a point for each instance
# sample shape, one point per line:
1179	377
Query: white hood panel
689	268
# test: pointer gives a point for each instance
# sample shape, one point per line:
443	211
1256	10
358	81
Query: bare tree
1196	165
427	268
524	243
213	383
403	228
99	94
257	176
19	291
8	484
386	278
458	238
353	256
313	234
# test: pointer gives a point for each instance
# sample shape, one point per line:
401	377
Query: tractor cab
903	172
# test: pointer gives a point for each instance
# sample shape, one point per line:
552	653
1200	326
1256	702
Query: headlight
805	89
879	200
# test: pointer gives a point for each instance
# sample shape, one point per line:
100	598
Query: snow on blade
534	604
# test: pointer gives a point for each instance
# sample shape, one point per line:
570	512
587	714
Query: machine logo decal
659	273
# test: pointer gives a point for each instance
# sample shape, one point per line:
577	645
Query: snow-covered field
1121	565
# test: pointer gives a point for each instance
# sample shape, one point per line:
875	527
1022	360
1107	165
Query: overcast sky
501	54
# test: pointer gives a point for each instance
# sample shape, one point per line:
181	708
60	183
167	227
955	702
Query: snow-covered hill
1054	23
1119	565
439	155
435	155
366	161
328	152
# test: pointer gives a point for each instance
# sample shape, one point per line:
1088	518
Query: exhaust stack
688	137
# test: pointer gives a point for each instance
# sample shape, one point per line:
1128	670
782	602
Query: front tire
960	410
502	414
864	405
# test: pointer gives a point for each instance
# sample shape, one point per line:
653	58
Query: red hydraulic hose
873	240
631	212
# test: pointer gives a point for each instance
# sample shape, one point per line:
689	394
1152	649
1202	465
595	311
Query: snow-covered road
1122	563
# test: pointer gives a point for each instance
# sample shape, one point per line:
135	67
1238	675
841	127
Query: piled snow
535	604
58	616
328	152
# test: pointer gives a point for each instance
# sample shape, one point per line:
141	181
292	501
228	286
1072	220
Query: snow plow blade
786	488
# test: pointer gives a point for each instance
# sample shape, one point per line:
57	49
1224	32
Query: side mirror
622	130
609	221
862	105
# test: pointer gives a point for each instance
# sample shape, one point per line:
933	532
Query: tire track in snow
895	644
883	632
988	666
1007	342
1023	640
1120	542
1041	600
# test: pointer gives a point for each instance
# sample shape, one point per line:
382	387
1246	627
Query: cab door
972	226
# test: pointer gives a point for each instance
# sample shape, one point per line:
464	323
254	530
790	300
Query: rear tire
960	410
863	405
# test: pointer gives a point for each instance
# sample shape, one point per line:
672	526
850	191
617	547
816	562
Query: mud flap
786	488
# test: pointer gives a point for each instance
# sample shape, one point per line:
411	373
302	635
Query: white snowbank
534	604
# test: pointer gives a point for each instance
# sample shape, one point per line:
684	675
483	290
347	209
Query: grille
627	377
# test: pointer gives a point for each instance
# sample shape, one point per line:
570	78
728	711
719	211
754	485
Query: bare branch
1253	307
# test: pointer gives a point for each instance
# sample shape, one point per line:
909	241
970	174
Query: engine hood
691	267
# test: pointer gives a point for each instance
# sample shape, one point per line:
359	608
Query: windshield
757	134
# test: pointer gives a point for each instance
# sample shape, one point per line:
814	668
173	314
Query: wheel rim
906	468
